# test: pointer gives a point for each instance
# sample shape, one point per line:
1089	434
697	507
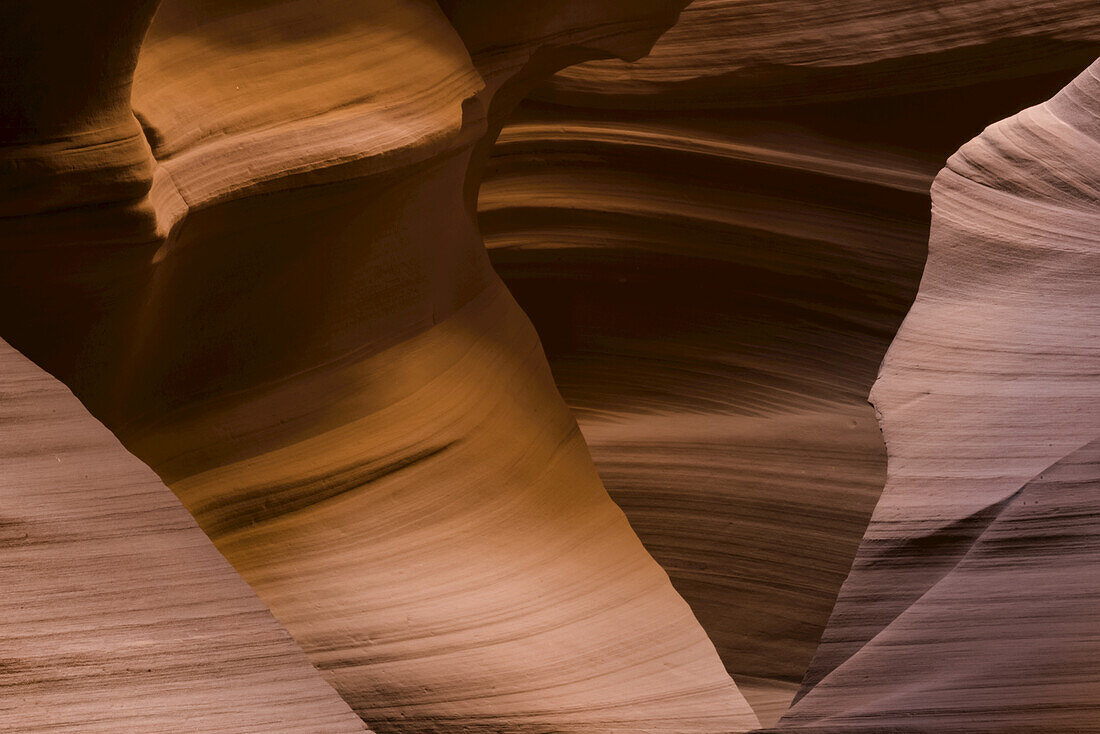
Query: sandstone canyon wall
260	241
971	605
118	613
717	244
281	303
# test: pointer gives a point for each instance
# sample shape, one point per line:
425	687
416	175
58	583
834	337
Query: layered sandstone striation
971	603
247	235
289	314
119	615
809	51
717	244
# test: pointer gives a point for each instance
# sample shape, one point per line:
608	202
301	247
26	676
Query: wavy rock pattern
971	604
481	581
338	386
67	136
246	234
803	51
118	613
717	244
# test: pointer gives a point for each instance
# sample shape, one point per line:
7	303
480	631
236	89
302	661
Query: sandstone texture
293	321
971	603
717	244
118	612
325	325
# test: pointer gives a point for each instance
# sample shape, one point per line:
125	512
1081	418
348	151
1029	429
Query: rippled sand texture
717	244
289	314
972	602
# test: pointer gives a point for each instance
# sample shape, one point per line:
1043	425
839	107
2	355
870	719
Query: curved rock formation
298	328
67	136
118	613
972	602
246	234
806	50
717	244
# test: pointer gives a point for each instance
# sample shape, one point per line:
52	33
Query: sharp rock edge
971	604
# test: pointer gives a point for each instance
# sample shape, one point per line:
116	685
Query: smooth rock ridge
972	602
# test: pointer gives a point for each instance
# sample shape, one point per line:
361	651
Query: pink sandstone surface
290	254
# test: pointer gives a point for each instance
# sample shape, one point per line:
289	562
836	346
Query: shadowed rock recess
717	244
298	263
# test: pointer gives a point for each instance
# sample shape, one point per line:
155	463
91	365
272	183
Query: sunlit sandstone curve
971	603
717	245
263	269
119	615
299	330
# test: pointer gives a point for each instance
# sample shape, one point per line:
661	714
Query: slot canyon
584	366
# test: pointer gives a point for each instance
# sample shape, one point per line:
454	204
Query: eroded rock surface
298	328
717	244
118	613
971	604
263	270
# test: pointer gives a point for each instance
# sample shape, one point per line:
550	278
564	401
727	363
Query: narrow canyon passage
289	315
715	287
483	367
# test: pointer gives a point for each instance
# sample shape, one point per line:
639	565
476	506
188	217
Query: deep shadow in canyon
716	320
